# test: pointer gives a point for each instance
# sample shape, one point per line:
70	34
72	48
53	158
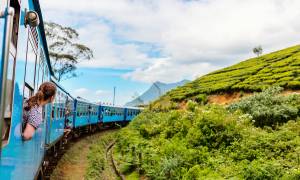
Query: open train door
6	31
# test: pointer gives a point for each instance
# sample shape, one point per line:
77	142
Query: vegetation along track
111	161
85	158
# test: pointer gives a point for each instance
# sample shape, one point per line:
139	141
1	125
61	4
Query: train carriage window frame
6	128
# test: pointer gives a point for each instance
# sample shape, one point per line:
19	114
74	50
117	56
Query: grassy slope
278	68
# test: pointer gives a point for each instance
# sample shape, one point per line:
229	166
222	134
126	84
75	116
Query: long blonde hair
45	92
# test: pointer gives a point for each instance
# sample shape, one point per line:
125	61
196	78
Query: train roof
80	99
135	108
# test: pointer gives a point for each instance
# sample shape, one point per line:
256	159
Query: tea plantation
281	68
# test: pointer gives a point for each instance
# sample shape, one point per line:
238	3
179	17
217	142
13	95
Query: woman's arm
35	118
28	132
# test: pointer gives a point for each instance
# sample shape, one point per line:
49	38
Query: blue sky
138	42
97	84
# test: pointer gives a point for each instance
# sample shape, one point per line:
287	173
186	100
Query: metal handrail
8	14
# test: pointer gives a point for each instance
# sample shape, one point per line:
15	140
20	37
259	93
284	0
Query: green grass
281	68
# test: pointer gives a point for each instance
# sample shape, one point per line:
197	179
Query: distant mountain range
156	90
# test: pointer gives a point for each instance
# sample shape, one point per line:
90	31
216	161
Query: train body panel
130	113
86	113
62	111
112	114
94	114
27	70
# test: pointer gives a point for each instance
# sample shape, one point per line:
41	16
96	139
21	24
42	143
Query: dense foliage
280	68
268	108
214	142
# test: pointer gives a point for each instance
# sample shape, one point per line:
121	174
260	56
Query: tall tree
65	51
258	50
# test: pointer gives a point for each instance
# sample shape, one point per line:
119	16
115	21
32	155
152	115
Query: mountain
156	90
280	68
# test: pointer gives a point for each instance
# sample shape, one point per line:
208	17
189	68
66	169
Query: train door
89	111
100	113
9	27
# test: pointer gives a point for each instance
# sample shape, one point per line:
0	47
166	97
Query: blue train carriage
111	114
62	110
20	76
86	113
131	113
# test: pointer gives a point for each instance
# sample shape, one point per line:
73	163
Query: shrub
210	142
201	98
267	108
191	105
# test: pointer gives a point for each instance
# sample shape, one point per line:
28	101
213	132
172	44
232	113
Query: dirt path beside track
74	163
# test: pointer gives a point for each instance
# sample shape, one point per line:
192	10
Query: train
25	65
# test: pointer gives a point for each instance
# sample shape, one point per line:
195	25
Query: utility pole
114	96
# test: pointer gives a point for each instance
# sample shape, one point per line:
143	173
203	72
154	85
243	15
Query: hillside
156	90
280	68
255	137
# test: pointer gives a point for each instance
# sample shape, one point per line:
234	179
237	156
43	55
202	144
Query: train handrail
8	14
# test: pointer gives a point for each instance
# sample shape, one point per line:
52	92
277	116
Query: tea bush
268	108
280	68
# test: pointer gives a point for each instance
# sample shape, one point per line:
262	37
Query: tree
257	50
64	50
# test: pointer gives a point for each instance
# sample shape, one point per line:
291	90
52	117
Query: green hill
256	137
281	68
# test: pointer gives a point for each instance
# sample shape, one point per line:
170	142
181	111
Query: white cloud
91	95
165	71
101	92
79	92
194	37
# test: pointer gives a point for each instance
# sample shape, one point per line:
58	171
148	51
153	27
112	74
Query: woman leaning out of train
33	108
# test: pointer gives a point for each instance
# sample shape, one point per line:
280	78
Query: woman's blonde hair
45	92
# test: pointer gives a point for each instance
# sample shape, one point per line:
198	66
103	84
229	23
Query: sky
138	42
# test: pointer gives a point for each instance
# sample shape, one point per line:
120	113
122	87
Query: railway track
55	153
111	161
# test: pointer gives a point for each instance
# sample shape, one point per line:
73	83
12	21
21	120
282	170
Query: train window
61	112
41	68
44	113
14	38
57	112
52	113
31	59
37	74
28	91
46	73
